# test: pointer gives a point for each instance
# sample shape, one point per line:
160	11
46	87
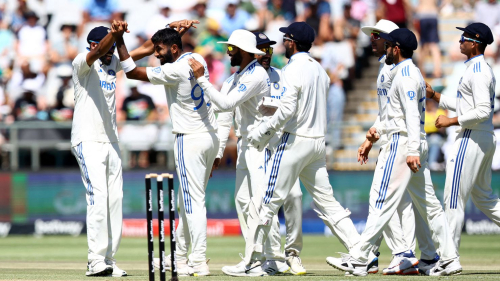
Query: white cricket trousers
250	170
304	158
400	232
391	180
194	156
101	168
468	173
292	209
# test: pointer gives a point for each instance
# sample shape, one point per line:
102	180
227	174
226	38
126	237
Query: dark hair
406	53
303	47
481	47
167	36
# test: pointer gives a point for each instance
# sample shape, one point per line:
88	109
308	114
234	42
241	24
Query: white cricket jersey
406	108
475	96
384	82
241	93
277	89
94	118
189	108
303	105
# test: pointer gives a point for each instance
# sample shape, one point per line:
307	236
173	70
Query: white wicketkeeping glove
259	137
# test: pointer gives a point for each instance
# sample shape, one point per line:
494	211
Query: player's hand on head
363	151
197	67
372	135
413	163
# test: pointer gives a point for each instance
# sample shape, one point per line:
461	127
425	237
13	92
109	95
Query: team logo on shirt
111	72
382	78
411	95
242	88
276	85
157	69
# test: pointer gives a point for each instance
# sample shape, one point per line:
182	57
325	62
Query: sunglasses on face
463	39
288	39
375	36
231	48
267	50
387	45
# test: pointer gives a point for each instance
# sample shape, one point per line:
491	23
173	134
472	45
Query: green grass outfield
64	258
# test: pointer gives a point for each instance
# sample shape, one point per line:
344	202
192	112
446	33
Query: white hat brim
369	29
249	49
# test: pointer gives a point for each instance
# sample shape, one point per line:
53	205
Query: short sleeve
162	75
80	65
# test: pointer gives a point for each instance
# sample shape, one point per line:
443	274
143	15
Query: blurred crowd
40	38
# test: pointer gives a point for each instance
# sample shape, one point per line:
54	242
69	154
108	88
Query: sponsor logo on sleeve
156	69
411	95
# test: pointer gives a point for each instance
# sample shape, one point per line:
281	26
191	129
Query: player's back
311	81
189	108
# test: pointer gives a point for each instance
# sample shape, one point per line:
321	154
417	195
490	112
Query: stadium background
40	186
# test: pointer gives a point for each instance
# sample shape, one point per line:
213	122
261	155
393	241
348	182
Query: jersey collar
381	59
183	56
401	64
299	54
246	67
474	59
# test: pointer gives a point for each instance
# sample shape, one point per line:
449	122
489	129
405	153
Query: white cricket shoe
200	269
243	270
272	267
445	268
400	263
117	272
98	268
168	264
349	264
295	264
424	266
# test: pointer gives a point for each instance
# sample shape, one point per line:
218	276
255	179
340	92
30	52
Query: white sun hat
244	40
384	26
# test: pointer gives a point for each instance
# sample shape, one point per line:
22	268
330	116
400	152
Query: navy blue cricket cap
479	31
263	39
97	33
402	37
300	32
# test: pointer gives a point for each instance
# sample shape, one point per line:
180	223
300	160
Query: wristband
433	94
128	65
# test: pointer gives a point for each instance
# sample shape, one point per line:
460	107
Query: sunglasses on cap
288	39
463	39
375	35
267	50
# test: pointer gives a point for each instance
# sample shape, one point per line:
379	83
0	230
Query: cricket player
399	162
468	171
292	207
196	142
239	97
300	151
400	232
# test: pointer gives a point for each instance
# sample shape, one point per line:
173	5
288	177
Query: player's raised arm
147	49
101	48
126	61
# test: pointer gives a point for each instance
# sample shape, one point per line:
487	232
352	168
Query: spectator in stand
20	76
397	11
317	15
62	87
25	107
32	44
487	12
234	18
160	20
435	136
100	10
279	10
199	13
427	14
138	138
212	36
17	18
64	50
7	40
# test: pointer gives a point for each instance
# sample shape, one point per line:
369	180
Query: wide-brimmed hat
244	40
383	26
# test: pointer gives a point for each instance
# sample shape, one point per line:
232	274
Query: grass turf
64	258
